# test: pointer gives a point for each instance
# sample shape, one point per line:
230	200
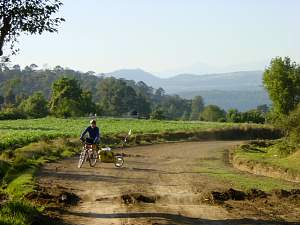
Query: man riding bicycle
94	134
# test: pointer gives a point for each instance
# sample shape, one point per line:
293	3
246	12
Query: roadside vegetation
269	158
18	170
278	158
239	179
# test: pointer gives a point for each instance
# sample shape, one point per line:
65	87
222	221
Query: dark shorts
91	141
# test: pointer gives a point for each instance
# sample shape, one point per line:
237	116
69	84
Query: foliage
234	116
66	98
35	106
143	107
282	81
197	107
17	212
245	181
116	97
4	166
174	107
87	105
20	180
276	155
251	116
212	113
291	126
12	114
29	17
9	88
158	114
110	96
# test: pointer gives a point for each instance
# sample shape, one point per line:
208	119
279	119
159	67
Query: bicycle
92	153
89	153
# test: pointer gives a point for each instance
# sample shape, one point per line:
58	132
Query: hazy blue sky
163	35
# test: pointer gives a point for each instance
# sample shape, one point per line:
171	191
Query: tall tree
143	107
66	98
35	106
29	17
9	88
213	113
116	97
233	115
174	106
158	114
87	105
282	81
197	107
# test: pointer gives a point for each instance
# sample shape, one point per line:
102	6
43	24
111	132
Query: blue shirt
93	133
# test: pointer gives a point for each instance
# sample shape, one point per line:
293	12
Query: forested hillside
65	92
30	80
109	96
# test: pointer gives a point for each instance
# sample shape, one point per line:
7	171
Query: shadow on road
87	176
179	219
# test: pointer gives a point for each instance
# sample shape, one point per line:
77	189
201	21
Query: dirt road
159	184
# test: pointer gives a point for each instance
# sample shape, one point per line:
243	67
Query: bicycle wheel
81	158
93	158
119	161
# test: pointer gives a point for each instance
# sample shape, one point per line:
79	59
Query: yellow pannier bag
106	155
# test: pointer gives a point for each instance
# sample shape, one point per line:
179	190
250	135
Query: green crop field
22	132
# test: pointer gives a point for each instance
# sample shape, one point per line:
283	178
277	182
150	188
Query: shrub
291	126
212	113
158	114
35	106
12	114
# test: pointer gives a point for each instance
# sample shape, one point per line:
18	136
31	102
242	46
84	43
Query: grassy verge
239	179
18	177
17	212
269	158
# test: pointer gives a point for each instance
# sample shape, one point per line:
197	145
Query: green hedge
14	115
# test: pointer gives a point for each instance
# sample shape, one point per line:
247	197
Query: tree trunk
4	32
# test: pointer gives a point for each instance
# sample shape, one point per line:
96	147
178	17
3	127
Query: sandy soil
157	185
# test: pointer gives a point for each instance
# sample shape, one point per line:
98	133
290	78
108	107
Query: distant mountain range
204	68
244	80
242	90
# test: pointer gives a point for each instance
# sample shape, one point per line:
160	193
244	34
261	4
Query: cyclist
93	131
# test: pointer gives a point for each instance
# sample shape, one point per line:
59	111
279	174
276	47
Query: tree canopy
213	113
29	17
197	107
35	106
282	81
66	98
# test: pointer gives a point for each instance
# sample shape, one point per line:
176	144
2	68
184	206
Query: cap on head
93	122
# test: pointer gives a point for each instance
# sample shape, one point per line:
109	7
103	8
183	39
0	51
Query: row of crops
21	132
